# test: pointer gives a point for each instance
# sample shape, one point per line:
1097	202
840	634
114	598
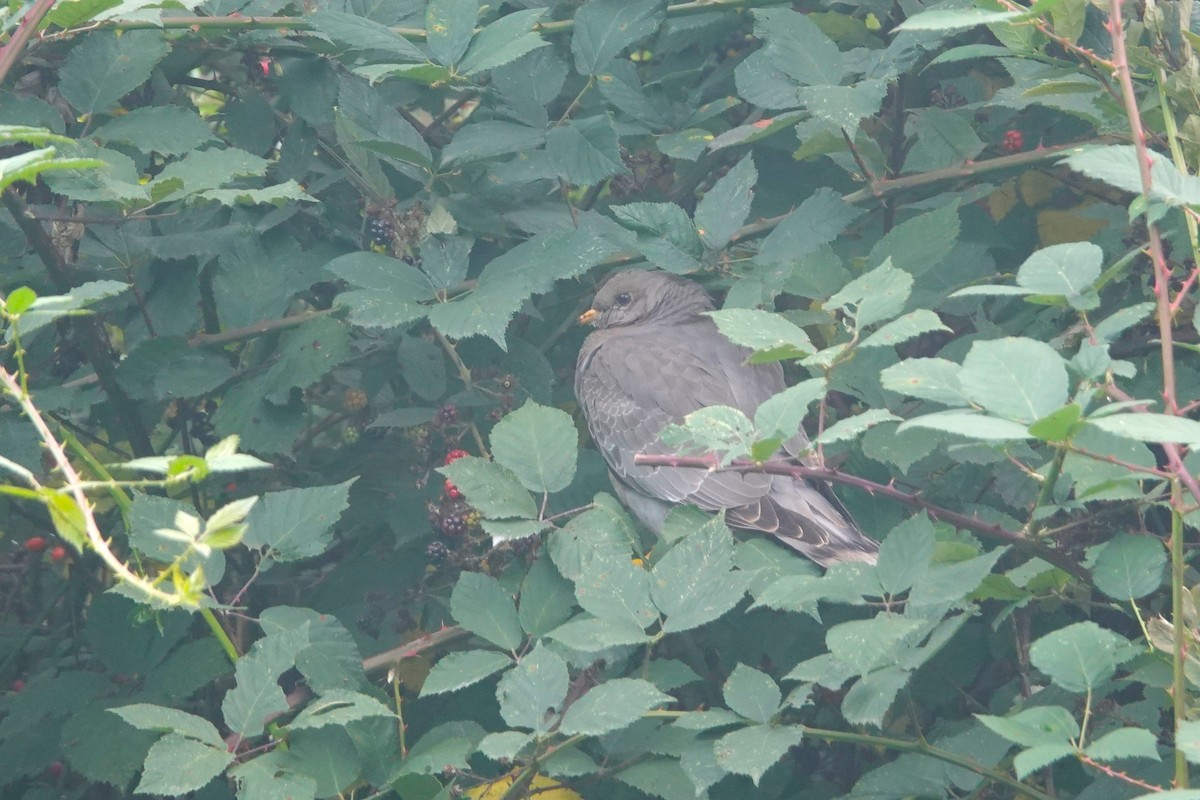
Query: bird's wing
634	382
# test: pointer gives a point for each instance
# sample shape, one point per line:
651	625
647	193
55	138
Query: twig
16	44
388	658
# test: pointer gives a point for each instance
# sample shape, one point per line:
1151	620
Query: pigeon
654	358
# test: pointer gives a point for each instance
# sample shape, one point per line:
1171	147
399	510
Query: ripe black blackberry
453	525
447	414
437	552
381	231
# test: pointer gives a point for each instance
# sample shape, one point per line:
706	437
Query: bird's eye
623	299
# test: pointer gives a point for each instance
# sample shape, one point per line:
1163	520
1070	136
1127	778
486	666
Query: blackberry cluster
381	231
447	415
437	552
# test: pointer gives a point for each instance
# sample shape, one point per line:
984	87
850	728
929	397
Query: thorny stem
73	481
16	44
1115	773
1179	630
871	487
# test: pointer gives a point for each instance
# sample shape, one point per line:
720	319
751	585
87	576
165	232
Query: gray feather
655	359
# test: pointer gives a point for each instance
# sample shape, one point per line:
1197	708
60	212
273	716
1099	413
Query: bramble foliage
295	498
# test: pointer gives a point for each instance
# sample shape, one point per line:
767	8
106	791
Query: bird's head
638	297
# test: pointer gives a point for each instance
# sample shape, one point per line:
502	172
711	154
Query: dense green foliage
294	496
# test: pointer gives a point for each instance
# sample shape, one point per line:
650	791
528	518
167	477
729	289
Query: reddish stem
16	44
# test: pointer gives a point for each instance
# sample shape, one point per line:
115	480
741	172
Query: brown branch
871	487
389	658
257	329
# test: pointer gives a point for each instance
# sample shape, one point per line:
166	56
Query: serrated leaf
874	297
933	379
539	444
1034	727
726	205
818	221
177	765
103	67
905	554
449	26
339	707
694	584
491	488
503	41
1035	758
603	28
763	331
1129	567
753	750
147	717
1125	743
781	415
1117	165
1080	657
547	598
361	34
531	693
798	47
1070	270
751	693
1160	428
389	292
853	427
868	700
970	425
481	605
296	523
585	151
905	327
612	705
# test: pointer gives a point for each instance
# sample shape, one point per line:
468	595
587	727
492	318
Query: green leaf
693	583
304	356
585	151
875	297
782	414
943	139
956	19
611	706
864	645
1080	657
798	47
753	694
933	379
45	310
166	368
177	765
853	427
547	598
360	34
714	429
296	523
147	717
328	658
1070	270
532	692
919	244
1029	761
1017	378
257	694
539	444
588	634
1035	727
944	584
491	488
104	66
903	328
603	28
339	707
667	237
503	41
1125	743
481	605
1129	567
1058	426
753	750
1160	428
905	554
726	205
764	332
449	26
1117	165
388	293
818	221
487	139
614	589
868	700
659	777
970	425
167	130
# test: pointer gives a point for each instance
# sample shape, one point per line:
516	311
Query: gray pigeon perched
655	358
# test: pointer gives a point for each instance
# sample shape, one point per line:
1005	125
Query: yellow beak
588	317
